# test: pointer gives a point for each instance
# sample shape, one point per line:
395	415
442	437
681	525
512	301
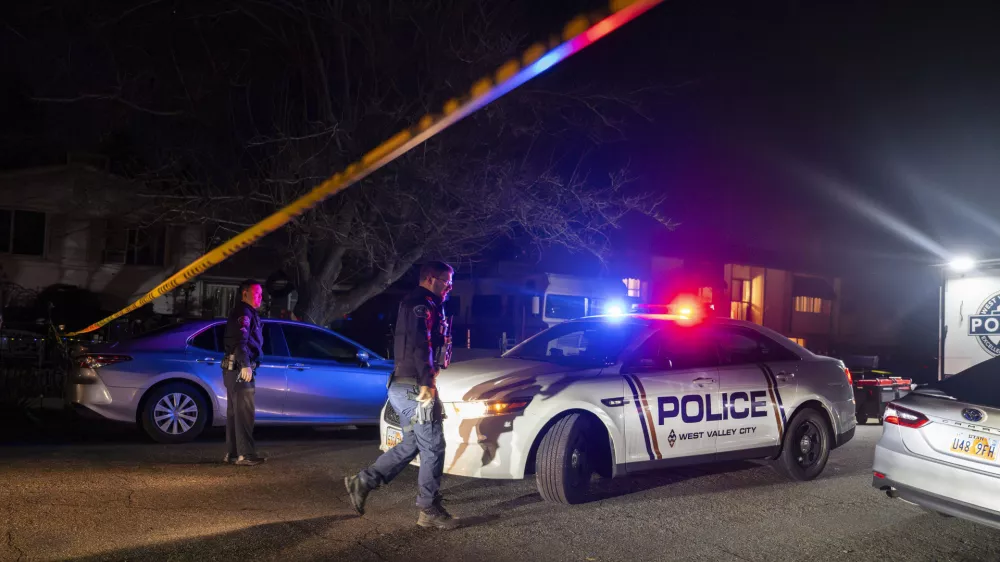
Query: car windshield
588	343
979	384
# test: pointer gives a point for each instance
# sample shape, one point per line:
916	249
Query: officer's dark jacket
244	335
418	326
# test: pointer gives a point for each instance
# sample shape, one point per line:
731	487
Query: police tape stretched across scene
582	31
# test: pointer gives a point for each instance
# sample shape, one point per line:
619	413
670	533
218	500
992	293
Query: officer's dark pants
425	439
239	415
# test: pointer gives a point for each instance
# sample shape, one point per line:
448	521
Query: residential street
105	494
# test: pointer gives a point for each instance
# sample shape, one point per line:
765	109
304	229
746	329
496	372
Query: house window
811	305
705	294
219	299
800	341
134	245
740	306
487	306
22	232
633	287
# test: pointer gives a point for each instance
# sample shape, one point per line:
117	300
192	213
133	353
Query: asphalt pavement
81	493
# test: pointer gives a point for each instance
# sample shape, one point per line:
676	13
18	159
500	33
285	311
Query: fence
32	366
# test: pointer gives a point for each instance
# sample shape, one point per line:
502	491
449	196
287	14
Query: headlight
483	408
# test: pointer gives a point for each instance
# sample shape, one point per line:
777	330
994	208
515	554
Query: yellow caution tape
579	33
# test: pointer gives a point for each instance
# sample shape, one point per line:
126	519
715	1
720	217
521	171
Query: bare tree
287	92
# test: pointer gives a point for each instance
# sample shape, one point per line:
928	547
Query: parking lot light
962	264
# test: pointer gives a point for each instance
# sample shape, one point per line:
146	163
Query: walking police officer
244	342
412	393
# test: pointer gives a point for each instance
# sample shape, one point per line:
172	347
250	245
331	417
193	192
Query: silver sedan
939	446
169	381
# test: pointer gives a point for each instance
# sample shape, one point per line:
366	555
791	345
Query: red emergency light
687	307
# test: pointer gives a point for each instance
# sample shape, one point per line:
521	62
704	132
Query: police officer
244	341
412	393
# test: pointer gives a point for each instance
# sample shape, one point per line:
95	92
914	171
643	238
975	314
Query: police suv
621	394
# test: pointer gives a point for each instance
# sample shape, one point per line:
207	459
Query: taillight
850	380
904	417
97	361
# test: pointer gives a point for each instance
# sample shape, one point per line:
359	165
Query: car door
327	380
755	374
205	351
672	384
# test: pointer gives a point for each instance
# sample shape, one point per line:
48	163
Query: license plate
393	437
976	446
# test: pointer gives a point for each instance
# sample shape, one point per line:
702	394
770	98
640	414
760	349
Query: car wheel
174	413
806	447
565	463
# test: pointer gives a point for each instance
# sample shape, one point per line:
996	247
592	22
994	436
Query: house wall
77	203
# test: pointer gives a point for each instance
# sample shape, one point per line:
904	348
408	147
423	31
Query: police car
621	394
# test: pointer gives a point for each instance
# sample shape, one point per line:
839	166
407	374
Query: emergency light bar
677	309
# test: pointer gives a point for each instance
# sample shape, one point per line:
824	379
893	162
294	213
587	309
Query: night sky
780	127
776	102
858	138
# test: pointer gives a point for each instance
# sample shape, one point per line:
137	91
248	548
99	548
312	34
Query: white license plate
393	437
973	445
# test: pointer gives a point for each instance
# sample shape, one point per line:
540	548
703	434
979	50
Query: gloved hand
426	396
246	375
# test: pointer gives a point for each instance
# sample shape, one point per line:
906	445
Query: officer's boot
437	516
357	491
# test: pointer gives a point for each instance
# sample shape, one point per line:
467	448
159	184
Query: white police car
622	394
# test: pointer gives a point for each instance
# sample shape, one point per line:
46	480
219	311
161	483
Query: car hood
496	378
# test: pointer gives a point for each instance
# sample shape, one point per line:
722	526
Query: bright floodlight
963	263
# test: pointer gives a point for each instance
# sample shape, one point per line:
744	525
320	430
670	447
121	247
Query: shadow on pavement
608	488
243	544
63	427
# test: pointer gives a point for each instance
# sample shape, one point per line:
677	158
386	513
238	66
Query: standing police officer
412	393
244	341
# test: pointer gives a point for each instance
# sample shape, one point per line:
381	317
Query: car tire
806	447
174	413
565	461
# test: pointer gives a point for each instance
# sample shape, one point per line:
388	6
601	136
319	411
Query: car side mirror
364	359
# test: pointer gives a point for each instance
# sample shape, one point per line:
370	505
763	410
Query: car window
676	349
310	343
565	306
740	346
578	344
207	339
214	339
269	335
979	384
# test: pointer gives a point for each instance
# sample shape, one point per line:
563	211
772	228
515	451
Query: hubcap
175	413
574	459
808	444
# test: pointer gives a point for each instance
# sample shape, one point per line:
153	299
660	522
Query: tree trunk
313	304
319	306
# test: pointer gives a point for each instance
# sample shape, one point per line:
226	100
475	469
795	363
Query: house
78	225
801	303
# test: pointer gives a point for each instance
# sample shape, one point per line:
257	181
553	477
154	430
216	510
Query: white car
622	394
